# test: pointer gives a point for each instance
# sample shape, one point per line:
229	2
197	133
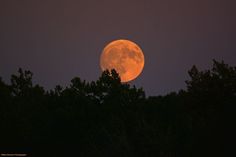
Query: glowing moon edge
125	56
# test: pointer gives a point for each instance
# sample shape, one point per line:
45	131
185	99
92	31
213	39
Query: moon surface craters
125	57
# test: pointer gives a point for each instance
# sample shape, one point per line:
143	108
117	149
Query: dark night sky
58	40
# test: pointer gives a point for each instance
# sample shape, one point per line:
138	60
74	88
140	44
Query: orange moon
125	56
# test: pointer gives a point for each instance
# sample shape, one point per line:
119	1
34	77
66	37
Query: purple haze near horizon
60	39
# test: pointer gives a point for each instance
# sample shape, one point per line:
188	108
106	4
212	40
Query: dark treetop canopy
108	118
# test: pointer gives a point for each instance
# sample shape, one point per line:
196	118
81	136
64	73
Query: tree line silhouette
110	118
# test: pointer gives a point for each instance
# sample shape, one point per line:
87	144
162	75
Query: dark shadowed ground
108	118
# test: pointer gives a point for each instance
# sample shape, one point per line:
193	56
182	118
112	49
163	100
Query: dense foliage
109	118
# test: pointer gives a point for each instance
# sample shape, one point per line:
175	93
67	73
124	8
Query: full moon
125	56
